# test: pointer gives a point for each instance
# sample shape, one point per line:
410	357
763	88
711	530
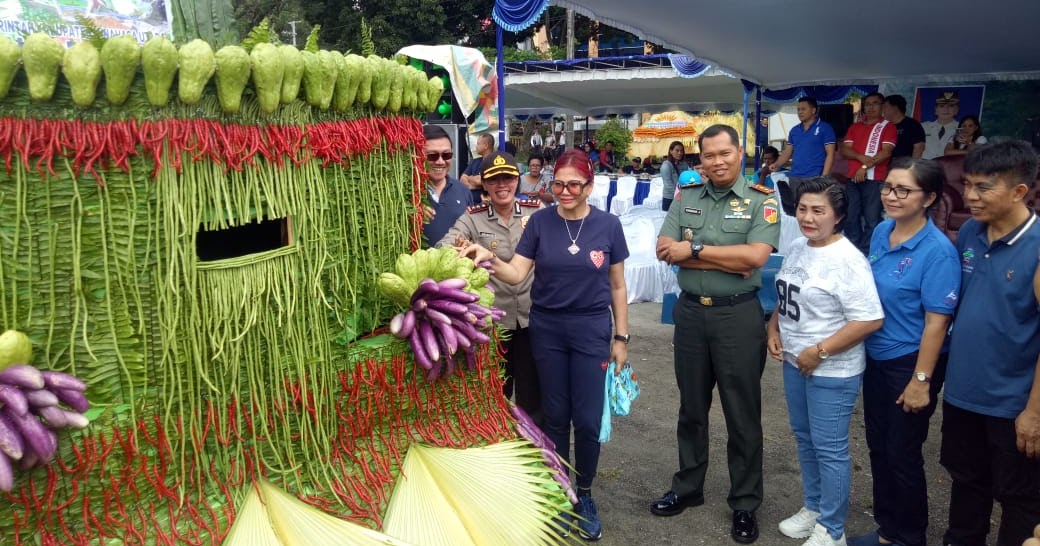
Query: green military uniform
482	225
720	336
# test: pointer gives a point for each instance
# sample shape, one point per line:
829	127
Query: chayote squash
119	58
319	78
233	68
364	92
381	78
268	73
342	96
159	63
292	63
10	61
82	67
197	66
42	57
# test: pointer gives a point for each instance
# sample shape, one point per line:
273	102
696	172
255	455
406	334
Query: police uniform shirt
740	214
482	225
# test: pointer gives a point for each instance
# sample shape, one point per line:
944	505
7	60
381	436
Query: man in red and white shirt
868	146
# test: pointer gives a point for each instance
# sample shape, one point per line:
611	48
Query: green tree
614	130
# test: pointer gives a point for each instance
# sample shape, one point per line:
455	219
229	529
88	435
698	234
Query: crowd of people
890	307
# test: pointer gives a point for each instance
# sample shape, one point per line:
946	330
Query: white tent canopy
809	42
604	91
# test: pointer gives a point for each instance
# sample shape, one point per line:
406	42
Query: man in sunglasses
497	225
447	197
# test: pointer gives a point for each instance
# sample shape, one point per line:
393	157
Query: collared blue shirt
995	339
920	275
452	203
809	152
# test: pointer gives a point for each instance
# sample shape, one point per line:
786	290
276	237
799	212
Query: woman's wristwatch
623	338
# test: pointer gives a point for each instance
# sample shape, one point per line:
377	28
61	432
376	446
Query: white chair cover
653	200
600	190
626	190
789	230
646	278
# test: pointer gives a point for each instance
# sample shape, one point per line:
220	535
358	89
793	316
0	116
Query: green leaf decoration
368	47
91	32
260	34
312	40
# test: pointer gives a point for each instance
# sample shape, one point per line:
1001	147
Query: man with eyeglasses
720	234
868	146
447	197
991	398
497	225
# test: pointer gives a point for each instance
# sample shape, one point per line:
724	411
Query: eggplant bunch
444	318
530	431
35	405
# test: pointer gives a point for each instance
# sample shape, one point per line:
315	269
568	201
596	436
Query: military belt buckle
706	301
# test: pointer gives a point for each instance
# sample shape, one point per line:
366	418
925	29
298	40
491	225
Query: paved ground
637	464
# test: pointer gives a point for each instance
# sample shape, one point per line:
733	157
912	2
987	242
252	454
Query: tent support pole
501	83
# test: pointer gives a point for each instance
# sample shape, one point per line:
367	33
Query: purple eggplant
11	443
75	420
24	376
73	399
427	287
29	460
408	323
435	371
395	325
452	284
36	436
448	307
460	296
40	398
448	336
419	351
54	415
12	397
436	316
478	311
471	360
59	380
6	473
429	340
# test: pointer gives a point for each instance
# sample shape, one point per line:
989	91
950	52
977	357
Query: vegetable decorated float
198	245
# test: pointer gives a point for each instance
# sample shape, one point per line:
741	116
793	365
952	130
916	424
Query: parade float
653	137
219	251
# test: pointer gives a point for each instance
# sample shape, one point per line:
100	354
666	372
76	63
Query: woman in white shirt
827	305
969	135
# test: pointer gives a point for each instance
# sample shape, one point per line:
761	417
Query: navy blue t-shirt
474	169
577	283
454	199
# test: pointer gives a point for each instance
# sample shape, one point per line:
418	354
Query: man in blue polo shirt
991	405
812	145
448	198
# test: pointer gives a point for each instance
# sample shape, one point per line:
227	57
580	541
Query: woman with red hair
578	291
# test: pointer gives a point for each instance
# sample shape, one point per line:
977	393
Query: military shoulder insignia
535	203
763	189
473	209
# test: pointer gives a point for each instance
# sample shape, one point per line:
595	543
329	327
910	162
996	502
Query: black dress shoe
672	505
745	527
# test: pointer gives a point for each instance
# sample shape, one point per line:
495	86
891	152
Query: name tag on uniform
485	235
691	210
736	217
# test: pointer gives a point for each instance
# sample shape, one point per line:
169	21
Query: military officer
720	235
497	225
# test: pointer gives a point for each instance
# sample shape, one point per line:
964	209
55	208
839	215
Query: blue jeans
820	409
571	353
864	212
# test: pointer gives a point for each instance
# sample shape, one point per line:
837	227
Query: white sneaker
820	537
799	525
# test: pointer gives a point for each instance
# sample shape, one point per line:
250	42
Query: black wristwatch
623	338
695	249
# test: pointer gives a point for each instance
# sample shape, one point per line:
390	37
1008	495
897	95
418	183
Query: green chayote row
329	79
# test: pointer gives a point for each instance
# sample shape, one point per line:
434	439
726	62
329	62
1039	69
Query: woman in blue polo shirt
917	275
578	291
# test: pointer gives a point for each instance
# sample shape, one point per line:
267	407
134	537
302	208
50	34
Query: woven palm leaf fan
497	494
